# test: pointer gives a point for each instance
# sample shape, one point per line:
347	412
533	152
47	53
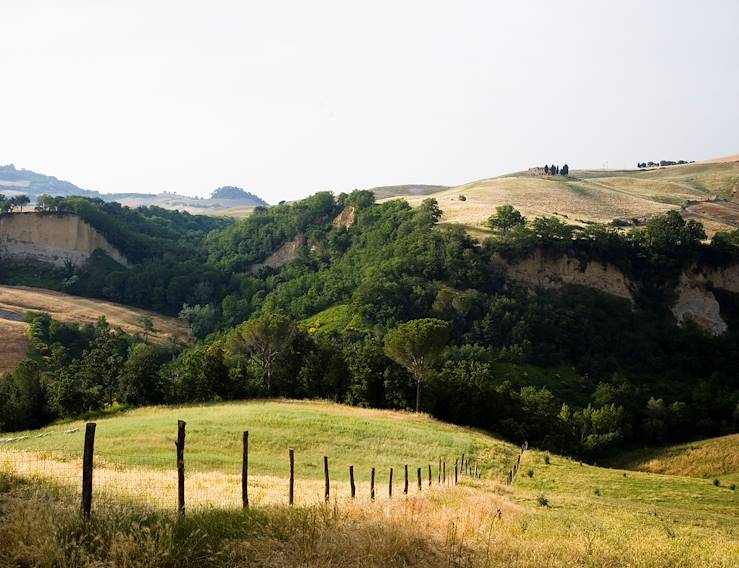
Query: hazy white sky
287	98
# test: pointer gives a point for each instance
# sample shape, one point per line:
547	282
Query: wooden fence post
351	481
180	467
443	472
461	464
87	465
292	475
439	480
429	475
405	486
390	484
245	473
455	472
419	478
372	485
325	474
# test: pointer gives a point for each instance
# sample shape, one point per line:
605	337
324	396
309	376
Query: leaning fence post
292	475
419	478
245	473
405	486
351	480
180	467
325	474
372	485
390	484
87	465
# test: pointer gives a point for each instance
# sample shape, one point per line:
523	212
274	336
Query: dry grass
633	519
63	307
13	344
716	457
600	195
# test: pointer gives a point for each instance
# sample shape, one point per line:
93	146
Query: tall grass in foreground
455	527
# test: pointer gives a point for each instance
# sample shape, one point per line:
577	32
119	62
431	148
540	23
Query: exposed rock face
287	252
52	239
697	303
346	218
542	271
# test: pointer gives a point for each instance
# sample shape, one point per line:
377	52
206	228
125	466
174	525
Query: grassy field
715	458
602	195
16	300
562	513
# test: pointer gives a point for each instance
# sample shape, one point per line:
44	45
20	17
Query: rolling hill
707	191
558	512
16	300
224	200
711	458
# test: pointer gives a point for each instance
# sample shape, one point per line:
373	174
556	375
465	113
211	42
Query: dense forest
392	311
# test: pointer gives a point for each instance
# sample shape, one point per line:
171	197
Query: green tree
264	339
505	219
417	345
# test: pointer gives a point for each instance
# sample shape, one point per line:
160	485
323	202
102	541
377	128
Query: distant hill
223	201
388	191
707	191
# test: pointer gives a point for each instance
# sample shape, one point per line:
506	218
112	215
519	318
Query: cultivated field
560	513
715	458
16	300
603	195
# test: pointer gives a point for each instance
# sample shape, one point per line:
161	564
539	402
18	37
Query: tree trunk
418	394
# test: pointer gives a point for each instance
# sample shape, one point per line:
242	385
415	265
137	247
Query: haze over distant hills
223	200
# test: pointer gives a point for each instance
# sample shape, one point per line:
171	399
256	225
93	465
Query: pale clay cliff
695	302
52	239
57	239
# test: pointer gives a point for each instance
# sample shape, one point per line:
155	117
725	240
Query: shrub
596	491
462	198
542	501
733	487
717	482
530	473
547	459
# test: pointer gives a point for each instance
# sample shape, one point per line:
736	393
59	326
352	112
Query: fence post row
87	465
292	476
245	473
180	467
88	459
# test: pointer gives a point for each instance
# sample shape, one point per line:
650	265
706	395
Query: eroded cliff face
52	239
346	218
287	252
539	270
695	302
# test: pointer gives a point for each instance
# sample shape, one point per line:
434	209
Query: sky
286	98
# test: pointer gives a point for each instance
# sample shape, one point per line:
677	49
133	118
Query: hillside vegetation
562	513
601	196
570	369
15	301
711	458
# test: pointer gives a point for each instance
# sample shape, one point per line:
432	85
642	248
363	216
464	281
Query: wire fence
117	477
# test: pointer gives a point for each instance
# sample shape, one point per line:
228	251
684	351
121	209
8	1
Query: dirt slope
15	300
